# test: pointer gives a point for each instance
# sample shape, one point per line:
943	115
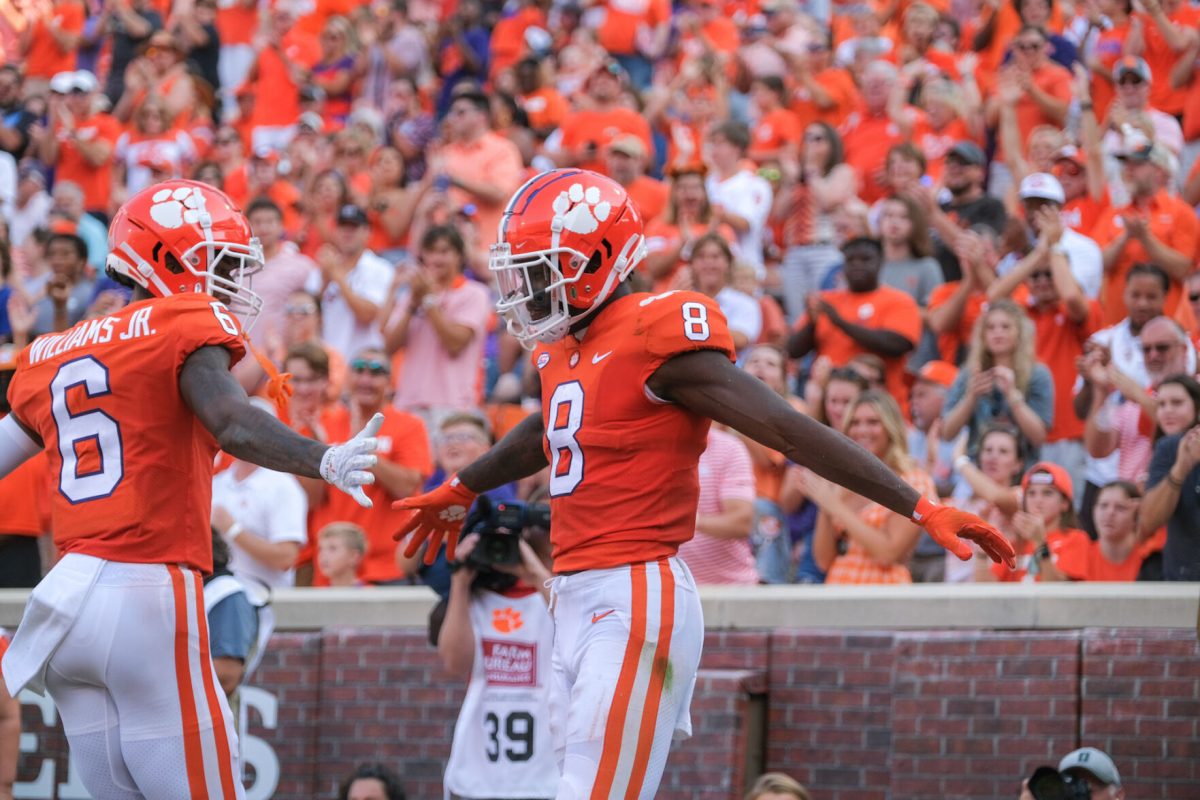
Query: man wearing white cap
1043	191
79	141
1132	107
1097	769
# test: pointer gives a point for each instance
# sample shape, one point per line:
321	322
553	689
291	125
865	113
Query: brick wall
903	715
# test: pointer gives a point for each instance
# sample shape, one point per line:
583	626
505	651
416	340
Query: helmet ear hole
594	263
172	264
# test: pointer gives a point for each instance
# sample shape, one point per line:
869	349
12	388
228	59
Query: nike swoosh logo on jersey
597	617
598	357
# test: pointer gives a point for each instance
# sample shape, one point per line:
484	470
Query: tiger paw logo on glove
581	211
453	514
173	208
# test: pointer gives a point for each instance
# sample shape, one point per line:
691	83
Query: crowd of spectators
964	232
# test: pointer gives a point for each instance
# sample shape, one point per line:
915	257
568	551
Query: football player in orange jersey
131	409
630	383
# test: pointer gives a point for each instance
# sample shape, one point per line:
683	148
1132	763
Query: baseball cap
1042	186
968	153
265	154
628	145
311	120
351	214
1156	154
1131	65
76	81
1094	761
612	67
1071	153
1044	473
942	373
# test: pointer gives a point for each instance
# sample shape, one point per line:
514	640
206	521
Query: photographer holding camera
496	631
1082	774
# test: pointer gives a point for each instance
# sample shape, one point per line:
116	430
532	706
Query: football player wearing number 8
630	384
496	632
131	409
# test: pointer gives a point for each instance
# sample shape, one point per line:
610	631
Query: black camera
499	526
1047	783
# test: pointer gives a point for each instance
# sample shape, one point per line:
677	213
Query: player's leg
90	721
635	666
177	732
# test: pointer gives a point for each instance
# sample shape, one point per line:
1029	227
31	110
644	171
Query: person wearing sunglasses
1134	84
79	141
405	462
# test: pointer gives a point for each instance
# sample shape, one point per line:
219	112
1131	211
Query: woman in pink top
440	320
858	541
720	551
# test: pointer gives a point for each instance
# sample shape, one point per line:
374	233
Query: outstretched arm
707	383
517	455
253	435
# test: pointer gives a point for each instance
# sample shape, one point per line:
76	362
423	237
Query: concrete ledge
1027	607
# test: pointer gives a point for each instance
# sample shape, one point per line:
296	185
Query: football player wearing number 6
131	409
630	383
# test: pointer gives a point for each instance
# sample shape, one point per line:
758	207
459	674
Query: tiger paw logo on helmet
174	207
581	210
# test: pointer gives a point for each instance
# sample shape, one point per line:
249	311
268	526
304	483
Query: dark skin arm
516	456
243	431
880	341
707	383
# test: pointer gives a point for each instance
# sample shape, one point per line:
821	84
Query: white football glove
345	465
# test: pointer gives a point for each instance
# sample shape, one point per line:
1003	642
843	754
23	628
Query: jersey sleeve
197	321
681	322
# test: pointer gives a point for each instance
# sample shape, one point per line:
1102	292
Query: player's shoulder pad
198	320
679	322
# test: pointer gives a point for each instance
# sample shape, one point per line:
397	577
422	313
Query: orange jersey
131	463
1081	559
1058	342
623	465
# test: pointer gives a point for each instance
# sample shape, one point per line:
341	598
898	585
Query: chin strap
279	384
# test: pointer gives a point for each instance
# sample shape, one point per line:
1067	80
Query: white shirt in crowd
370	279
271	505
1084	255
748	196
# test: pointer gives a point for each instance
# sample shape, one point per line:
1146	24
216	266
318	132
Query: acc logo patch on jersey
172	208
543	360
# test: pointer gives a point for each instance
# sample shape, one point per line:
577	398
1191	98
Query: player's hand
954	529
346	465
435	516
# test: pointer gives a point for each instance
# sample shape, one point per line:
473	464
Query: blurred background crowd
964	232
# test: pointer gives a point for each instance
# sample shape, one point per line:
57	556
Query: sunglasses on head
371	365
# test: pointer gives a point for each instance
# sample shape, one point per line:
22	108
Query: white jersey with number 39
502	746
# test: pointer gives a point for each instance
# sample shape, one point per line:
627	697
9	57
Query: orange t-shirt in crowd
603	127
44	57
237	21
777	128
1107	49
1059	341
96	182
649	196
134	478
867	141
884	308
1161	58
507	43
840	86
311	15
1008	25
1172	221
1080	559
663	235
545	107
25	499
1056	540
404	441
685	144
1084	212
606	436
274	81
619	31
934	144
1051	79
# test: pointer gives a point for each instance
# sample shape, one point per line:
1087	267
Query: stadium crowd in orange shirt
1018	183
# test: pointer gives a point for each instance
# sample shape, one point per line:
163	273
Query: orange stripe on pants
614	726
193	751
658	674
224	761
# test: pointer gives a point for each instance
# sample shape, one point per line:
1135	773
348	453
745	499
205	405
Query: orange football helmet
185	236
567	238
